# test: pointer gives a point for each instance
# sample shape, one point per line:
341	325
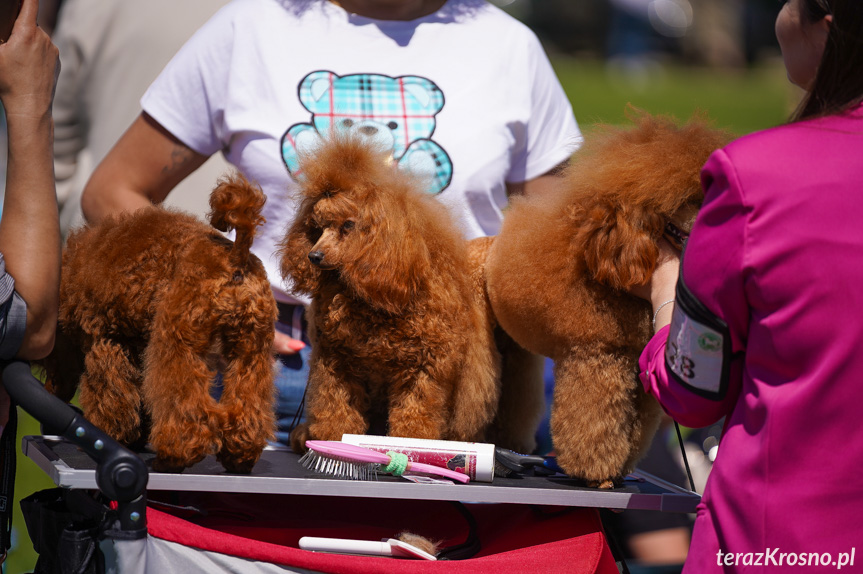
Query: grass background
741	101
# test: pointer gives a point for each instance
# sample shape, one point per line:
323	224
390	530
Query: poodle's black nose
316	257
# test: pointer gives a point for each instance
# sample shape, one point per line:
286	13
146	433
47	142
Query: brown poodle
558	273
151	303
401	342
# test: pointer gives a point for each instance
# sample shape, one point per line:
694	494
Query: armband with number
698	352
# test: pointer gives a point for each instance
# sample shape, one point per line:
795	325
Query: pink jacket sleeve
714	269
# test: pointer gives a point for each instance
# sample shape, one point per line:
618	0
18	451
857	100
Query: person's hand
660	290
285	345
662	283
29	66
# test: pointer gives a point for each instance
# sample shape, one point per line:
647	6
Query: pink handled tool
350	461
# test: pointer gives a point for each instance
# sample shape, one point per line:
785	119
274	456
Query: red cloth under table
267	528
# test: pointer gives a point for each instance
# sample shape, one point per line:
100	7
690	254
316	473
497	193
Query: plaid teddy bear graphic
398	113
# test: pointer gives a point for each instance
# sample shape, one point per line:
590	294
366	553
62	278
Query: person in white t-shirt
462	92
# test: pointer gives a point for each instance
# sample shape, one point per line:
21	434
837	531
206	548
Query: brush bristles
338	468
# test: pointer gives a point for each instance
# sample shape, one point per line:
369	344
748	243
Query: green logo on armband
710	342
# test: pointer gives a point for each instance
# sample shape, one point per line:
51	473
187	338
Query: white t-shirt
466	94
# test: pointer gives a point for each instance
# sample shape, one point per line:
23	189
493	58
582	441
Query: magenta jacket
777	253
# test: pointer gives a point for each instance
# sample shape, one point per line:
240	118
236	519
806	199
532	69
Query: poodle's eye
347	122
348	225
392	125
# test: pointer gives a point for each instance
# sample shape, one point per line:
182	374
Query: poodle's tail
236	204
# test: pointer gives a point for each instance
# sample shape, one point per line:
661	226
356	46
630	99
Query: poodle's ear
392	267
619	243
294	249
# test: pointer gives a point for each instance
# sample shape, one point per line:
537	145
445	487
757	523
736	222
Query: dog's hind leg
522	396
111	392
477	391
248	401
185	418
64	367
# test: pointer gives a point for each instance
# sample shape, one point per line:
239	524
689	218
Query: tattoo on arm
180	155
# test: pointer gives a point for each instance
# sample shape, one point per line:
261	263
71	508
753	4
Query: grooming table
279	472
214	521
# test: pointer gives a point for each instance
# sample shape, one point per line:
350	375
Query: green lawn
741	102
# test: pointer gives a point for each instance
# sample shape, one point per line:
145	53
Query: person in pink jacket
759	320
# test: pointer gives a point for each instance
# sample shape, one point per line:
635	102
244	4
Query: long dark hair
838	84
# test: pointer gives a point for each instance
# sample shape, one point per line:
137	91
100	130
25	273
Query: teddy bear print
398	113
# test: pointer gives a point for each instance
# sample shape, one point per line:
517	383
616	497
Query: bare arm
537	186
141	169
29	229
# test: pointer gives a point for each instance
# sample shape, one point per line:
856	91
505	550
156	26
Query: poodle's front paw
172	464
299	436
606	484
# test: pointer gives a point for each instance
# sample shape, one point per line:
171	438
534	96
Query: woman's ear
618	244
823	26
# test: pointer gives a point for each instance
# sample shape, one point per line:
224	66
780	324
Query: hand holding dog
660	287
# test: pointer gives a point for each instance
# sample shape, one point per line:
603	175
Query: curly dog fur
401	342
522	373
148	301
558	274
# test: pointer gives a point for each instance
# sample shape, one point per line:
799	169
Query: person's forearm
663	284
29	229
140	170
101	198
545	184
662	301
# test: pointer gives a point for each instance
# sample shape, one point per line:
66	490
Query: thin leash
299	414
685	460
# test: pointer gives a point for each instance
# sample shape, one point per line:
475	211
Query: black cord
471	546
299	414
616	550
685	460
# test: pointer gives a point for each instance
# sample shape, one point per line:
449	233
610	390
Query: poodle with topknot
558	276
401	340
155	303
